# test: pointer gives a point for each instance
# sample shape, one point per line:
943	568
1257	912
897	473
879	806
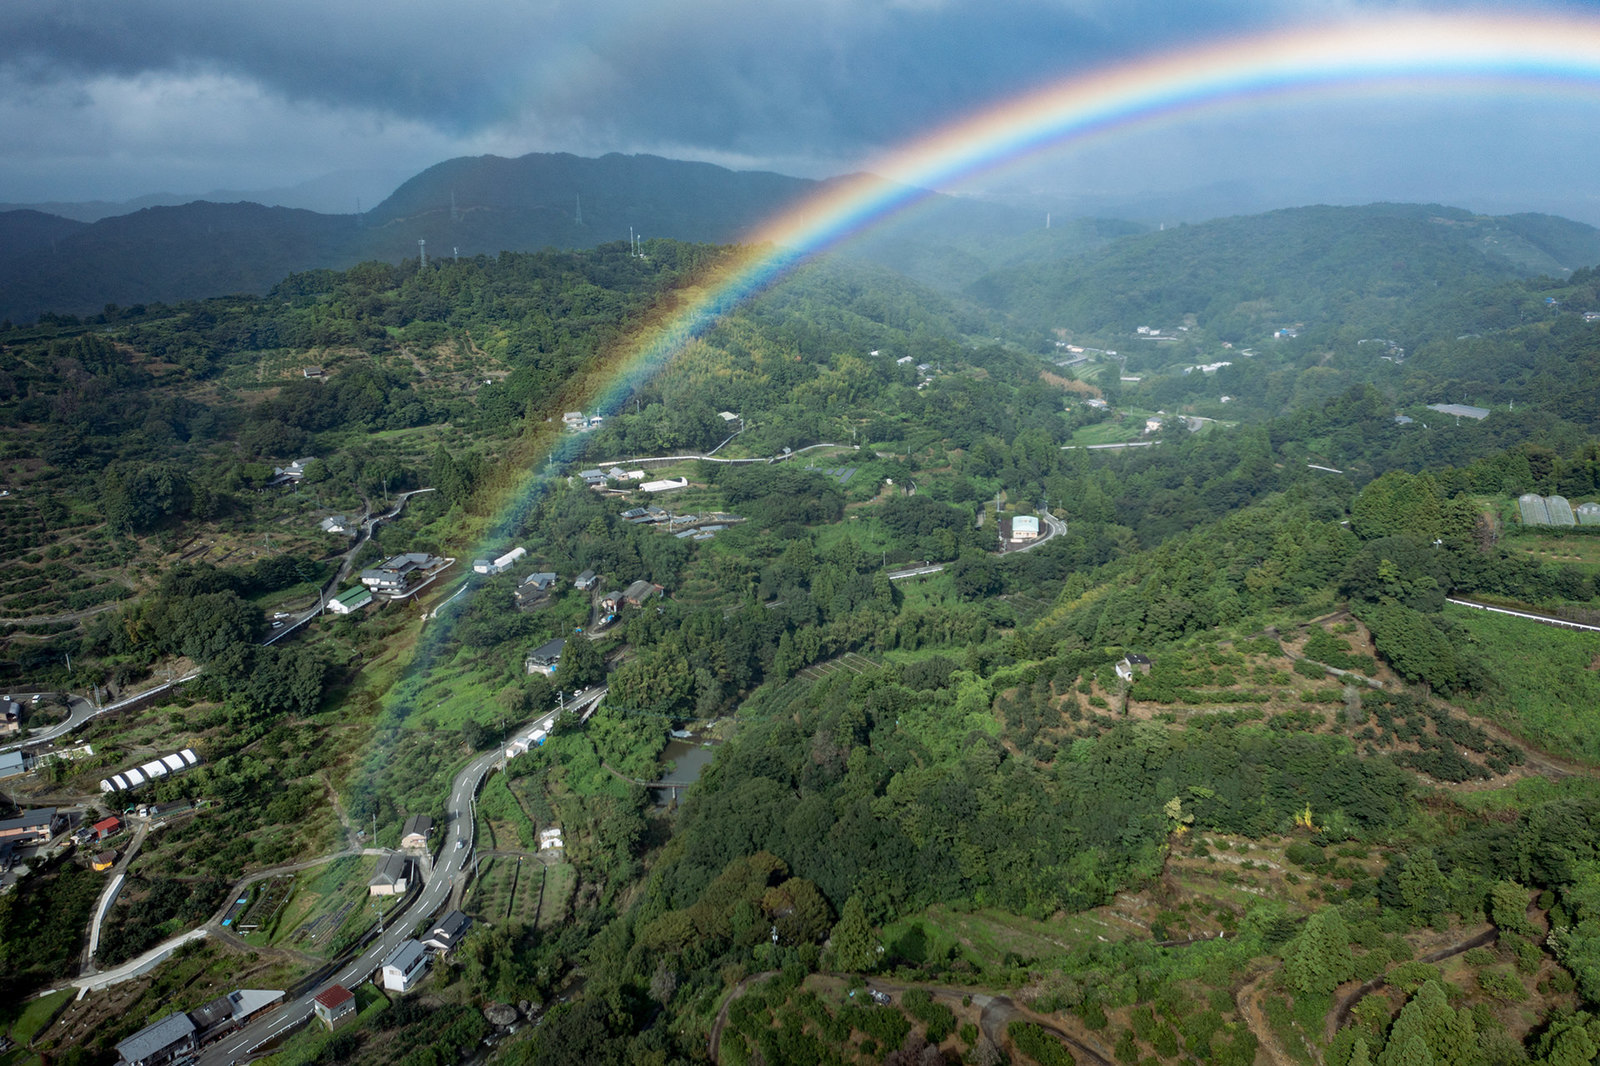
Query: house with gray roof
640	592
12	763
393	575
229	1012
546	657
405	966
415	833
448	933
390	880
30	827
159	1042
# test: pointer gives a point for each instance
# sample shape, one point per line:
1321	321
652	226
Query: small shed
1133	663
334	1005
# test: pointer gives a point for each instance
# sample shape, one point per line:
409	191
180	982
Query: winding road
449	870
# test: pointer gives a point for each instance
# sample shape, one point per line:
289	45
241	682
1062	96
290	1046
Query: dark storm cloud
821	78
119	97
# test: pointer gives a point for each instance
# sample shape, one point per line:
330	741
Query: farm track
1340	1016
1248	1000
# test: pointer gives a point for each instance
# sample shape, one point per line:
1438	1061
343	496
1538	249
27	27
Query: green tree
1508	908
1319	959
975	575
797	910
581	664
854	947
1423	889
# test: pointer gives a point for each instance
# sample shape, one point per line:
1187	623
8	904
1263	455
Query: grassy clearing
1110	432
502	893
1544	682
1577	549
986	938
498	804
1524	792
327	909
37	1014
559	882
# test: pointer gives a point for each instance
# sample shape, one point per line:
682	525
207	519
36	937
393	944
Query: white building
500	565
665	484
351	600
405	966
1025	527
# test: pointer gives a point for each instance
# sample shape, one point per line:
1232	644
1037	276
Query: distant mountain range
462	206
1084	271
338	193
1298	265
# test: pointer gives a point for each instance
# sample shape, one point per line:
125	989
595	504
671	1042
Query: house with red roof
335	1005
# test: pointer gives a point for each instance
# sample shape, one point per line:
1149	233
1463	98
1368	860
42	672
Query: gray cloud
118	97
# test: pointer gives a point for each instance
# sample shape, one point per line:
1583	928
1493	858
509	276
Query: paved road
81	710
455	856
1544	619
369	523
607	464
1054	527
136	967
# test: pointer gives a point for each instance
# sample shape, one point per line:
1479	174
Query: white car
37	696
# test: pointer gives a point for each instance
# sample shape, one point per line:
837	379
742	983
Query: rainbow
1416	53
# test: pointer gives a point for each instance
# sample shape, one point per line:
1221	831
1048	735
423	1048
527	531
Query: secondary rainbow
1556	54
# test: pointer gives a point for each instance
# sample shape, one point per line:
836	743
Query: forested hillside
1384	268
1209	771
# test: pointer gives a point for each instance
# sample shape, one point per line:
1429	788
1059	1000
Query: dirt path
1248	999
999	1011
1340	1016
70	616
714	1042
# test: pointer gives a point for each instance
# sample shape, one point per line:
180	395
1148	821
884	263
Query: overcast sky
111	99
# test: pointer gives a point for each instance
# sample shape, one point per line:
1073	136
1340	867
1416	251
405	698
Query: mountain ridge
1080	273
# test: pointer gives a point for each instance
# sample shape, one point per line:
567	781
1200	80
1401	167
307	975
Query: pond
688	759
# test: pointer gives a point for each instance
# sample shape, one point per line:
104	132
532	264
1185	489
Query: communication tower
422	253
